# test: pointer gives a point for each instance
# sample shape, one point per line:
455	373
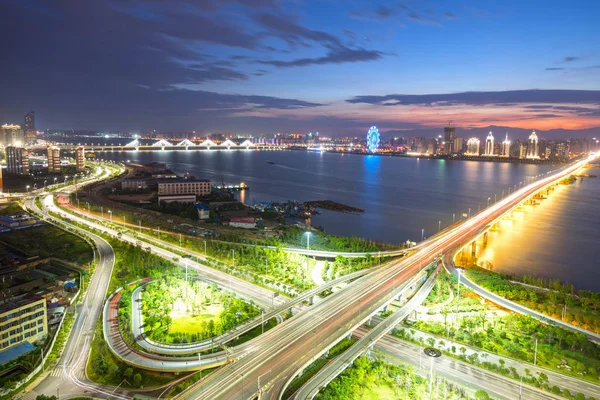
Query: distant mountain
498	131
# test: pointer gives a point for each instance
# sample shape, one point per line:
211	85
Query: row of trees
515	336
559	301
320	241
378	379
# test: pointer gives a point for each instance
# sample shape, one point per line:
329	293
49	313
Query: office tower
29	128
11	135
532	146
472	147
489	145
53	159
80	159
449	146
17	160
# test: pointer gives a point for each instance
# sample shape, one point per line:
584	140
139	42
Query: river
404	198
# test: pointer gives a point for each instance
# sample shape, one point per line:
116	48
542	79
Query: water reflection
555	239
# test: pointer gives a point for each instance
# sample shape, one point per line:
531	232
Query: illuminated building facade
472	147
17	160
532	146
29	128
53	159
489	145
80	159
11	135
506	147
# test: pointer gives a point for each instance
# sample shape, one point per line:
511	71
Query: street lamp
46	180
488	203
102	211
55	180
110	212
307	234
27	187
422	234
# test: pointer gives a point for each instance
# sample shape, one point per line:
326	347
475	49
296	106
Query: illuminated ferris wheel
372	139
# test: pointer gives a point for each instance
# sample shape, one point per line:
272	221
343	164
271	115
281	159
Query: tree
128	373
44	397
137	379
482	395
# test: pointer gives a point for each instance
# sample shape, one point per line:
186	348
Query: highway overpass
280	353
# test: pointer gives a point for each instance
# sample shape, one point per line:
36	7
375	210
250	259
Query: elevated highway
280	353
322	378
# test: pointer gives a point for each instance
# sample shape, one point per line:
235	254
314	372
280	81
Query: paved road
68	378
281	352
340	363
399	352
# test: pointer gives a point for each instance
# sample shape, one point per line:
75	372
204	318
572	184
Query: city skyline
278	66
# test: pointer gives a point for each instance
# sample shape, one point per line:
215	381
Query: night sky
265	66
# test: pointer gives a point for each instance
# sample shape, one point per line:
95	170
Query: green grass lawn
186	323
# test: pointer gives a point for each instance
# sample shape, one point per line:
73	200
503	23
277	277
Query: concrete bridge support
485	238
311	301
369	349
473	248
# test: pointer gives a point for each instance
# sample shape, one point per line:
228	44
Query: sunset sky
265	66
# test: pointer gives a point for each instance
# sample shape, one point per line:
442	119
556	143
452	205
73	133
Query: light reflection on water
558	238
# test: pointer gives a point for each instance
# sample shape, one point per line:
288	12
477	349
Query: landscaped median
513	345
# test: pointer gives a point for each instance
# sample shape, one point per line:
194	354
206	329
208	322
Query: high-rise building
1	183
29	128
506	147
489	145
457	145
522	150
11	135
17	160
472	147
562	150
53	159
80	159
532	146
449	147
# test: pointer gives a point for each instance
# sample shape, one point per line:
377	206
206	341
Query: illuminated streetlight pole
110	213
422	234
307	239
